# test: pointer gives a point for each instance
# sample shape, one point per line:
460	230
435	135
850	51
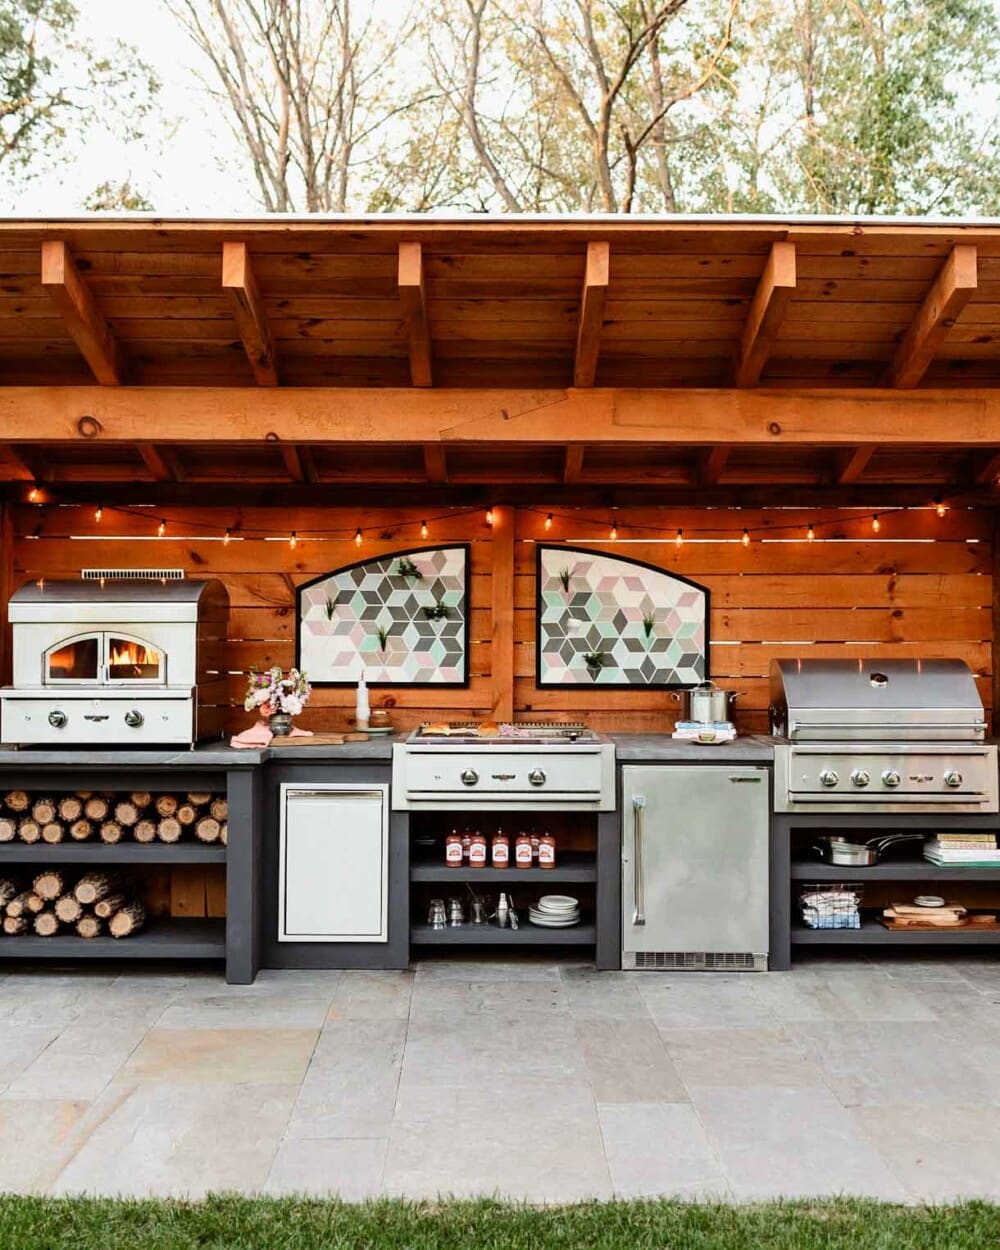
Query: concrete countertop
652	748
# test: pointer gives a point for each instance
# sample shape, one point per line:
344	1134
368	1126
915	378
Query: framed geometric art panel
617	623
403	618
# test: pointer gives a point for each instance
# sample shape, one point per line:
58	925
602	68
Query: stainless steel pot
838	850
705	703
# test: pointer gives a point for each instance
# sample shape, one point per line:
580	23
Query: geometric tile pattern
608	621
374	617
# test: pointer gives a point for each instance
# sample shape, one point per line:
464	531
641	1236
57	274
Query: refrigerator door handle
639	881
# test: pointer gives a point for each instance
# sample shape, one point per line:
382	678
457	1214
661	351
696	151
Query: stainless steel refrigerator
695	867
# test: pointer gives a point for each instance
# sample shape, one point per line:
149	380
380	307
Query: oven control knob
891	778
537	777
134	718
57	719
469	776
829	778
860	777
953	778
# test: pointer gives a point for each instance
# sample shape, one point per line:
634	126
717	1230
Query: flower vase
280	724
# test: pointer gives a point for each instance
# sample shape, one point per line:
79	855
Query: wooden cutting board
986	922
319	740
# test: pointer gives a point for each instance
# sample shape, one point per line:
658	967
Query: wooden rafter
987	471
435	463
573	464
163	462
248	312
299	464
16	465
413	300
588	334
767	310
78	309
953	288
851	462
711	463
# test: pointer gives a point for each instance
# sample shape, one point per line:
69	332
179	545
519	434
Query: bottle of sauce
546	851
534	846
466	845
453	850
477	851
501	850
522	851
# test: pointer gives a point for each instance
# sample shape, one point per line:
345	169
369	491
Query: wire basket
831	904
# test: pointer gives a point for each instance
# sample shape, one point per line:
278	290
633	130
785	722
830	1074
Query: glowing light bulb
227	537
940	507
33	494
876	524
41	583
489	516
357	538
293	540
162	528
98	513
423	529
679	540
810	534
614	533
746	538
548	521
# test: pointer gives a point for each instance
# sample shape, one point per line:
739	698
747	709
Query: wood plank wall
923	586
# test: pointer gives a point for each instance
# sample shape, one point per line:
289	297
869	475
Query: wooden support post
435	463
711	464
413	299
6	586
573	464
248	312
502	701
851	462
588	334
767	309
78	309
163	462
994	647
953	288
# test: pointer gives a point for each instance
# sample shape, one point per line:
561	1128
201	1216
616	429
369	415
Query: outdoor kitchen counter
654	748
208	755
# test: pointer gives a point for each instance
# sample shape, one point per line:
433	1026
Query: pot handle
821	850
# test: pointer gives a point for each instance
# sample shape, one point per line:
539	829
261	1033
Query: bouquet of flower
273	691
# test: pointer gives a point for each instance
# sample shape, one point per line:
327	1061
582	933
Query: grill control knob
829	777
953	778
469	776
891	778
860	777
57	719
537	777
134	718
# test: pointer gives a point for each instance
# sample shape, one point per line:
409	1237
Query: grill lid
875	700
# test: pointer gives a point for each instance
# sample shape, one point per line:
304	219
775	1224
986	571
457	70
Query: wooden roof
500	302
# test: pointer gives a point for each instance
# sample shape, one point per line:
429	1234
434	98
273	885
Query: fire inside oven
124	659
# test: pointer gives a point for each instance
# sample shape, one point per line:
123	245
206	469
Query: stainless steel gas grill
880	736
115	660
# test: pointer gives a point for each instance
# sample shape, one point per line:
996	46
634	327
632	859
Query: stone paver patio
532	1080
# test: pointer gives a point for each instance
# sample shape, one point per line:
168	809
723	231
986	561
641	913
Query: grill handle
884	724
638	877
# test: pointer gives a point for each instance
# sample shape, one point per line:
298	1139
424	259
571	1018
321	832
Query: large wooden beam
588	334
690	418
711	462
435	463
248	312
851	462
78	309
413	299
953	288
162	462
767	310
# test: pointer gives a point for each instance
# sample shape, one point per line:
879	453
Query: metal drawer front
101	721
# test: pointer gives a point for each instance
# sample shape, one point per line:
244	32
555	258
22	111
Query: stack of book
968	850
692	730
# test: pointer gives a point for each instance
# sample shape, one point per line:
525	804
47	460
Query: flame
134	655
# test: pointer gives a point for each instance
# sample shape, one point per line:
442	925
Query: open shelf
874	934
570	866
161	939
111	853
891	870
490	935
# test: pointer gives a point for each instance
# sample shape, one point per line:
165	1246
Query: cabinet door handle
333	794
638	876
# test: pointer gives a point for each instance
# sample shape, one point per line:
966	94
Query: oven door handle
638	871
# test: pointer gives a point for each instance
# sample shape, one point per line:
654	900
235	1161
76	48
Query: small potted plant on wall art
594	661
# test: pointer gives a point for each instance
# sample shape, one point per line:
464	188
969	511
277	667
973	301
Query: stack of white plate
555	911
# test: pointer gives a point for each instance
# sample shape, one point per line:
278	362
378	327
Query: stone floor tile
586	994
349	1168
949	1155
788	997
292	1010
182	1140
32	1135
454	998
659	1149
372	996
628	1062
350	1086
879	999
791	1143
739	1057
269	1056
709	1001
927	967
486	970
78	1064
29	1002
21	1047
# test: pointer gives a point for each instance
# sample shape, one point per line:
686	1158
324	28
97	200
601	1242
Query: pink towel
260	735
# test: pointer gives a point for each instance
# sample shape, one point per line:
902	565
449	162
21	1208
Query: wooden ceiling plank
712	462
81	316
248	312
413	300
573	464
163	462
987	472
767	310
952	289
588	334
851	462
435	463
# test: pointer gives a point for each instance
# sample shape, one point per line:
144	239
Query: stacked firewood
139	816
95	904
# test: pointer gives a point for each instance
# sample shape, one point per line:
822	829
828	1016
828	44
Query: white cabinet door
334	863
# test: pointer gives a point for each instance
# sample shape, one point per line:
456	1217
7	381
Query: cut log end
128	920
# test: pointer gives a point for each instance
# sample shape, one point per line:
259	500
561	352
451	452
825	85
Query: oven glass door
131	659
74	660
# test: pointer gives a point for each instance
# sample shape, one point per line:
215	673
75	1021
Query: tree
110	197
52	82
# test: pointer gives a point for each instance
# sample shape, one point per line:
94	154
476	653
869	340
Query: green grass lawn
293	1224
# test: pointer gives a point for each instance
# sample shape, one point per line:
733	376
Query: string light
489	517
940	507
876	524
33	495
162	529
293	540
679	540
548	521
98	513
357	538
614	533
810	534
227	538
746	538
423	529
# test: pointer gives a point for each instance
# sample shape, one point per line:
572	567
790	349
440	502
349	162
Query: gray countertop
651	748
